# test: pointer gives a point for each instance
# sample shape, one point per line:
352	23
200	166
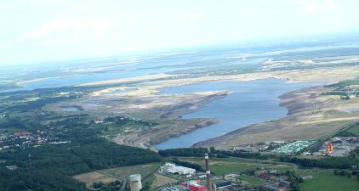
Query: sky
50	30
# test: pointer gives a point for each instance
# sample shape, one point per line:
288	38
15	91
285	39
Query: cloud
315	6
196	16
193	17
72	29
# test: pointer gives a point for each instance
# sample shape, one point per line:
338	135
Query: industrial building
174	169
338	146
193	185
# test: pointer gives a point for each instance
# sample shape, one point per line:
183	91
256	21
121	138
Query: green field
121	172
325	180
354	130
148	182
112	174
229	165
252	180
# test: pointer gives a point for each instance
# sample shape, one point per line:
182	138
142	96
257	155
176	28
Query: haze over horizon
81	29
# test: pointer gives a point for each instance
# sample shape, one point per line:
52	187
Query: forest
50	167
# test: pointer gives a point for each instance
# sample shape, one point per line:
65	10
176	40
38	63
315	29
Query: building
194	185
135	182
338	146
329	147
310	177
231	177
273	187
12	167
174	169
260	172
284	183
222	185
169	188
22	134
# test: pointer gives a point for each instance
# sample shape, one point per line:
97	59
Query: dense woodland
50	167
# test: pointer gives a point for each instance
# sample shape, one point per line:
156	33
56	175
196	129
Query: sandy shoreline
311	115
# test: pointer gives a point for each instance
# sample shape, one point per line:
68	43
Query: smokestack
208	173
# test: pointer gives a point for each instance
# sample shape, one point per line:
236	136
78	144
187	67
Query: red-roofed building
193	186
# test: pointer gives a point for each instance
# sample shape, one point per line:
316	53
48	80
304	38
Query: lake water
147	67
77	79
70	108
250	102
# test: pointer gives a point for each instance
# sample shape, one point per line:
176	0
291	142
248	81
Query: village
26	139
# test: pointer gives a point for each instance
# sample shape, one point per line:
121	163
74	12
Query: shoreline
172	124
279	105
311	115
205	123
223	138
145	101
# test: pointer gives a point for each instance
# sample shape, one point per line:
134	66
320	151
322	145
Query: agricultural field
113	174
354	130
325	180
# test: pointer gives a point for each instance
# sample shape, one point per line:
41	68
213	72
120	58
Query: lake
249	102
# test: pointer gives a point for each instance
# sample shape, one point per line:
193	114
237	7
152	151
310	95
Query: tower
135	182
208	173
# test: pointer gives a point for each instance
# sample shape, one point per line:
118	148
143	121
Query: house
11	167
307	177
260	172
231	177
284	183
273	187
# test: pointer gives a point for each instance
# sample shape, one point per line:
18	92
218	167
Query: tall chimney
208	173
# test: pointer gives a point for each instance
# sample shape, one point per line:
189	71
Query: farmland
113	174
325	180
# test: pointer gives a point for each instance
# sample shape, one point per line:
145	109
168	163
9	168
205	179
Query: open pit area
312	113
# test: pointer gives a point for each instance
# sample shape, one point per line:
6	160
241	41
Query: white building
174	169
135	182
